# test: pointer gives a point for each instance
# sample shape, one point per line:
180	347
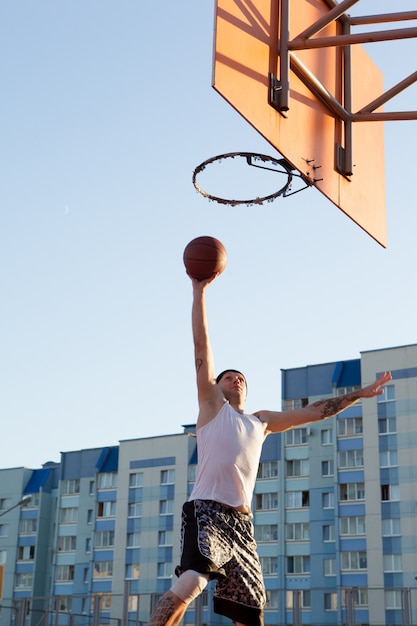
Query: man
217	533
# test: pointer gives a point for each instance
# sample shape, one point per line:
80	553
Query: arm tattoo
332	406
198	364
163	612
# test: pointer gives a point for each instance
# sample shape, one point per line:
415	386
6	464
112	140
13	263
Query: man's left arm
321	409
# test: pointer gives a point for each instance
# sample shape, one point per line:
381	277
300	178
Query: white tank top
229	448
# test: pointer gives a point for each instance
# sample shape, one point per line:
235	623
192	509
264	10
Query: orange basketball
204	256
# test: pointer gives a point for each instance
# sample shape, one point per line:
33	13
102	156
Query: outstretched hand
202	284
375	389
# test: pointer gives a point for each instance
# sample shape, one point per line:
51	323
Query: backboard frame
266	61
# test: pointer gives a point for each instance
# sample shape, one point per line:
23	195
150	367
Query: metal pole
284	59
405	607
296	607
126	588
96	612
350	621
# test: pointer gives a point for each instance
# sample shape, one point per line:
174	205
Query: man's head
232	382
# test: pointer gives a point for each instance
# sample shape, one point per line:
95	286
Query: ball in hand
204	256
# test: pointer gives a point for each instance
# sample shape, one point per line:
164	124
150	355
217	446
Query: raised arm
321	409
210	398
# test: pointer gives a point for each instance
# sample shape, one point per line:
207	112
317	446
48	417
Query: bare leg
169	611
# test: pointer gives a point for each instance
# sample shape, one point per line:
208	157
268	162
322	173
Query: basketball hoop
280	166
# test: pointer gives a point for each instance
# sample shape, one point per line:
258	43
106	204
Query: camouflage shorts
219	541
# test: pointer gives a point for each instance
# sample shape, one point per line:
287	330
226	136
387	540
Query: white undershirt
229	448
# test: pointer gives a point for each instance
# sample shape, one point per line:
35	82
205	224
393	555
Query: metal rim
251	157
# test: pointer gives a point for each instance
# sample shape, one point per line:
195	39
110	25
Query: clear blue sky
106	108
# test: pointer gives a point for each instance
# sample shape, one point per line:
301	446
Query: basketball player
217	533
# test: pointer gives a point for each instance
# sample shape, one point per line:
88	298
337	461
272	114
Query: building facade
335	515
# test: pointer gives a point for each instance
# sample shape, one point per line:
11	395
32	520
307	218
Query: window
107	480
64	603
388	395
32	502
387	425
268	469
26	553
297	499
3	557
192	472
271	599
70	487
91	487
136	479
296	437
297	531
327	500
133	603
88	544
350	458
68	516
106	509
298	564
133	570
106	601
390	492
341	391
327	468
393	599
329	567
165	538
4	530
305	599
359	597
327	437
266	533
297	403
164	570
27	526
24	580
297	467
168	477
134	509
269	565
351	491
392	563
330	601
103	569
354	560
349	426
266	501
133	540
166	507
391	527
85	574
388	458
328	533
67	544
5	503
104	538
90	516
64	573
354	525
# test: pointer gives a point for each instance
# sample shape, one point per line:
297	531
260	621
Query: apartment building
334	514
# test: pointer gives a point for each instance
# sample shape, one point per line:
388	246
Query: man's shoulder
209	411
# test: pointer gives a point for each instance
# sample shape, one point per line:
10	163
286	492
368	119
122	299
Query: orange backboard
310	135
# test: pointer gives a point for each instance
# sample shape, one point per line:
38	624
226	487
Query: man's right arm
210	398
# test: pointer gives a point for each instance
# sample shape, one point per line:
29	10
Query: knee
189	585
